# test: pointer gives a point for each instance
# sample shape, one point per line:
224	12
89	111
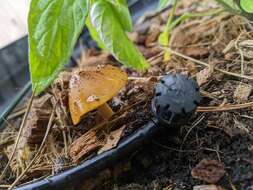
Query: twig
189	131
225	107
8	140
207	65
145	78
247	116
4	186
16	114
38	152
18	137
65	143
241	53
9	124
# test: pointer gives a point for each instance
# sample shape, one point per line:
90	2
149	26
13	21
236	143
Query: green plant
239	7
55	25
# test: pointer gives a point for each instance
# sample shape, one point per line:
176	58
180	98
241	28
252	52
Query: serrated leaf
111	33
120	7
54	26
163	3
247	5
94	33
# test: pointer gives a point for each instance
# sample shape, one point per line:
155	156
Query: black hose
72	178
175	101
14	102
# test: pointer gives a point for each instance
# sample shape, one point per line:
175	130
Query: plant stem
186	16
164	37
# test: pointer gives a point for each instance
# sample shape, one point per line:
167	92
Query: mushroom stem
105	111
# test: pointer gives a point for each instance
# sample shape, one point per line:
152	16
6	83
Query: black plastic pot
72	178
176	99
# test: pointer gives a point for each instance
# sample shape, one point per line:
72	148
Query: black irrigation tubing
176	99
74	177
14	102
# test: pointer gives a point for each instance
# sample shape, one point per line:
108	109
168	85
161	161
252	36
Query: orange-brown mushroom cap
92	87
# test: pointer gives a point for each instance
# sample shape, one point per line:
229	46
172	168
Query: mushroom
90	88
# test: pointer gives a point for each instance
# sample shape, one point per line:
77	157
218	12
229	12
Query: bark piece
34	129
84	145
37	121
210	171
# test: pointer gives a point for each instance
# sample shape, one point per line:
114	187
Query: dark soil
164	162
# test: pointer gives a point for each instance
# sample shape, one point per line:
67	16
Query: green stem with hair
164	37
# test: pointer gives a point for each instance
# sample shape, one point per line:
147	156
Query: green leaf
230	5
94	33
114	37
54	27
164	38
247	5
163	3
120	7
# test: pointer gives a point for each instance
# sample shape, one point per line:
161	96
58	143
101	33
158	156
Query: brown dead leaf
112	140
210	171
207	187
242	92
204	75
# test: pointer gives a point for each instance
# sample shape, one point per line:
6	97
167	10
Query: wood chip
37	120
85	145
112	140
203	76
242	92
